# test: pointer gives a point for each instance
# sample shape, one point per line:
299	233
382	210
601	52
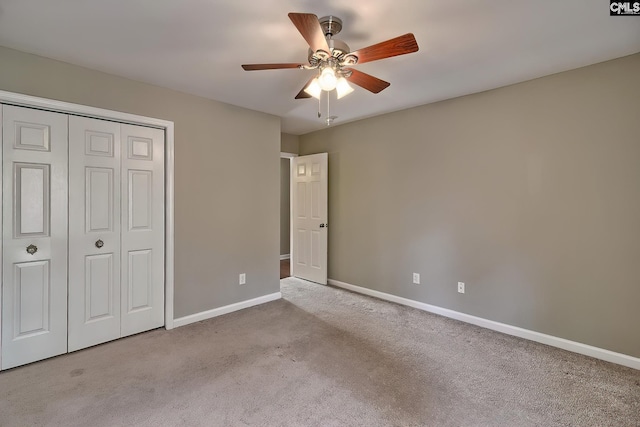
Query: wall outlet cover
461	287
416	278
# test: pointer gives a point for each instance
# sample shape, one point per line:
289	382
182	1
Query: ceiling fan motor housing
338	49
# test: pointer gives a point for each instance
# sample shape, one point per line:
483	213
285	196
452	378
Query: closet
82	232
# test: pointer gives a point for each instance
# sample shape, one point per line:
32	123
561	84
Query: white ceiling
197	46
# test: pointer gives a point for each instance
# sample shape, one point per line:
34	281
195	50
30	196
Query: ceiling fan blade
394	47
309	27
368	82
256	67
302	94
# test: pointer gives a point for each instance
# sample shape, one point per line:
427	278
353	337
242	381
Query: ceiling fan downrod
331	25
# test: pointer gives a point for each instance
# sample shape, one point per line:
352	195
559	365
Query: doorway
285	214
306	212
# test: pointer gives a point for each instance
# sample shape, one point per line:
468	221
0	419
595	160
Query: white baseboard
576	347
285	256
204	315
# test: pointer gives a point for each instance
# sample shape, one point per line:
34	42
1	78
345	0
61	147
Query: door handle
99	243
324	225
32	249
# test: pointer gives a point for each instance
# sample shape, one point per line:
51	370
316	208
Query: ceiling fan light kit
313	89
333	59
328	79
343	87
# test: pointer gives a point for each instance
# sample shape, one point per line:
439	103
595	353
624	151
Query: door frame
285	155
28	101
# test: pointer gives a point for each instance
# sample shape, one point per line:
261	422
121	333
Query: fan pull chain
329	118
328	112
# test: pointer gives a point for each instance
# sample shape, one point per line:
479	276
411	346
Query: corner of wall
289	143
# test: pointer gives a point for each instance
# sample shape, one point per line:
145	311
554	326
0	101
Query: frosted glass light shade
314	89
327	79
343	87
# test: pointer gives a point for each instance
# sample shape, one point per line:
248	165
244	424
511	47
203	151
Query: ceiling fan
333	58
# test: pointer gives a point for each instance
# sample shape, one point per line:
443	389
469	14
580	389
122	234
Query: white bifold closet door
34	235
116	230
142	265
94	232
82	232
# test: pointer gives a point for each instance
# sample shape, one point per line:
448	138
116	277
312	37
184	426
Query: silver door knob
99	243
32	249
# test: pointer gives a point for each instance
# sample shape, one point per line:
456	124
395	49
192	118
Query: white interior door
309	217
94	232
142	263
34	237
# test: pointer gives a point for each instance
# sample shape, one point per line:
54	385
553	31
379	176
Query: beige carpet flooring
321	357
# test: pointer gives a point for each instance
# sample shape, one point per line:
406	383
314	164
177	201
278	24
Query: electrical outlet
243	278
416	278
461	287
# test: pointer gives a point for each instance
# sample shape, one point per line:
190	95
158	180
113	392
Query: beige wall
285	211
290	143
223	176
529	193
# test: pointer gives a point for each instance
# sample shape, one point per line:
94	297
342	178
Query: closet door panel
34	235
143	229
94	232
